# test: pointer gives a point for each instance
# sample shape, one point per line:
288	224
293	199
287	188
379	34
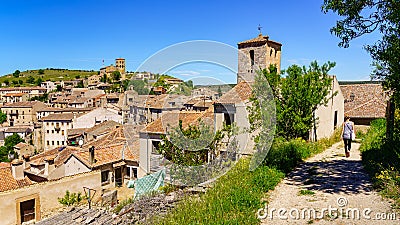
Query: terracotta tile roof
369	100
259	39
58	117
117	135
18	129
59	155
8	182
171	120
14	94
111	154
27	104
5	164
22	88
21	145
104	127
240	93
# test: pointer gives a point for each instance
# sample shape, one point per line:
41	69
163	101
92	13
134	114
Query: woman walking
347	134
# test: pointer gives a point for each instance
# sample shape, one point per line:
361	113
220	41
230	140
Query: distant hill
224	87
48	74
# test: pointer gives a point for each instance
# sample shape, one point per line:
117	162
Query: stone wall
45	194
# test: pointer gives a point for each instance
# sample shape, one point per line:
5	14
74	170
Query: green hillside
30	77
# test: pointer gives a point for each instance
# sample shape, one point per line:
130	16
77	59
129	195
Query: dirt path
328	180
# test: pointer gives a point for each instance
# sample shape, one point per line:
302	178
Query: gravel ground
328	181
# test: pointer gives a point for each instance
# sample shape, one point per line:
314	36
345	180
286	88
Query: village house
24	150
54	129
93	80
364	101
97	116
31	91
14	97
49	85
204	92
151	136
22	113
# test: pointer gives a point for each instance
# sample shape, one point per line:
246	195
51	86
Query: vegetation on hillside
35	77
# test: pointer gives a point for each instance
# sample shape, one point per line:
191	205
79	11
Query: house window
63	142
105	176
52	142
57	124
335	120
252	57
228	118
48	131
48	142
52	131
58	142
156	145
62	132
47	123
27	210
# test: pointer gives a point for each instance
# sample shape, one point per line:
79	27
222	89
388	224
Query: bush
70	198
381	159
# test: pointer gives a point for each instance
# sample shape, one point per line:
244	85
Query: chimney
91	155
48	166
17	169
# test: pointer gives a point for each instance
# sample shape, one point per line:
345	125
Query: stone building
364	101
255	54
22	113
119	66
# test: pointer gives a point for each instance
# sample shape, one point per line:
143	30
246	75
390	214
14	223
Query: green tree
30	80
7	82
116	75
16	73
80	84
40	71
9	143
15	82
219	91
3	117
182	152
39	81
20	81
139	86
297	95
364	17
58	87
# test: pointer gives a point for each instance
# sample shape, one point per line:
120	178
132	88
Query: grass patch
234	199
381	159
306	192
236	196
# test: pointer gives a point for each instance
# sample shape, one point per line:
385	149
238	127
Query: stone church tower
255	54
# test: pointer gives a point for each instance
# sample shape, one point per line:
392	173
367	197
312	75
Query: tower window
252	57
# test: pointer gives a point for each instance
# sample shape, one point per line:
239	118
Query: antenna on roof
259	28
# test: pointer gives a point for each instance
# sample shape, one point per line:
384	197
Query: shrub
381	159
70	198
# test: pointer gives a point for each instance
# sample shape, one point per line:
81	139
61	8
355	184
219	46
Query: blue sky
79	34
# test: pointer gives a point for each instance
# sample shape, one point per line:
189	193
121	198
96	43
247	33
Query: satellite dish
80	142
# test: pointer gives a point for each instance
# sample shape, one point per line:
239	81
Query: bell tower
257	54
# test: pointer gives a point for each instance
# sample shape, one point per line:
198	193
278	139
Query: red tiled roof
240	93
259	39
8	182
369	100
171	120
58	117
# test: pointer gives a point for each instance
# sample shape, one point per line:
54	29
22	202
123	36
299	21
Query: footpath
328	189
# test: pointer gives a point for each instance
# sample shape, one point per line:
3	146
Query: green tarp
147	184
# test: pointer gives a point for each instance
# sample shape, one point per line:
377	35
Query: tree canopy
9	143
364	17
297	95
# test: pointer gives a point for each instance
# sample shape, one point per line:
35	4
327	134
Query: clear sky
79	34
